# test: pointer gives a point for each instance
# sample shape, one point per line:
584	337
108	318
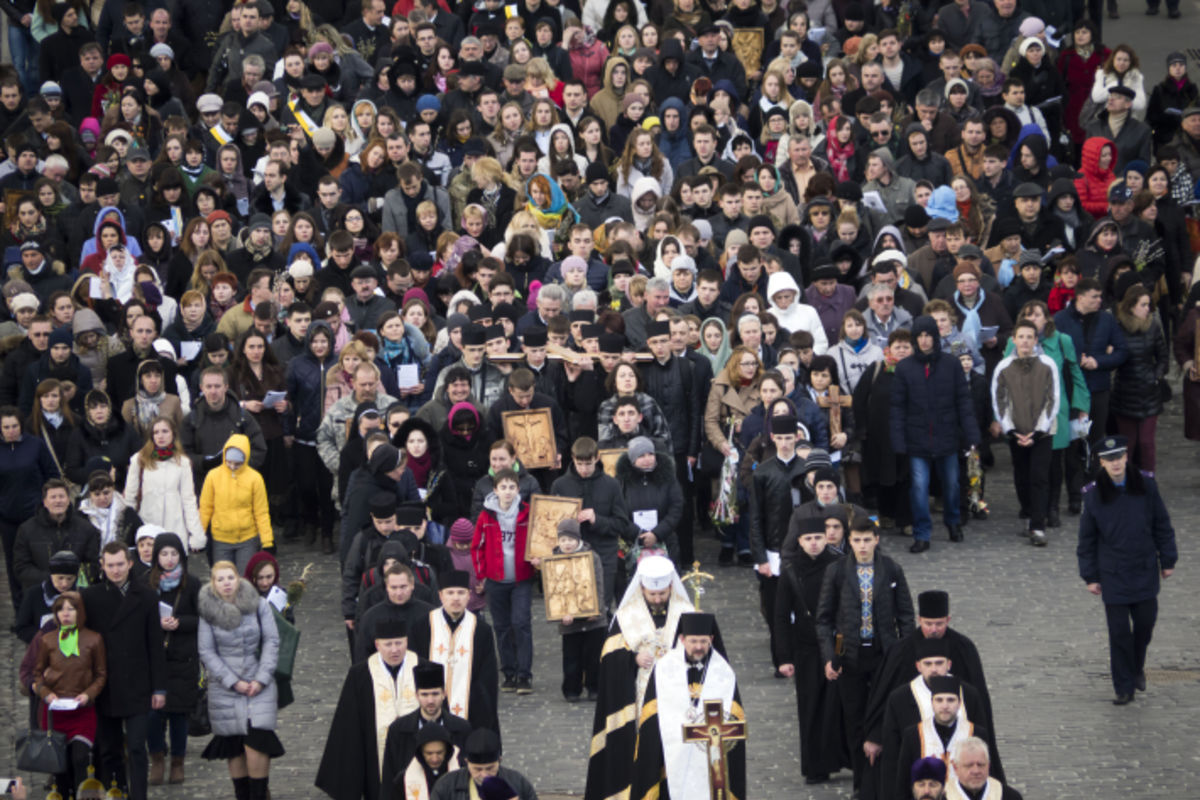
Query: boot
176	770
241	788
258	788
327	544
156	768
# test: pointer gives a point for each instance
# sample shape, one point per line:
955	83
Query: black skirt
223	748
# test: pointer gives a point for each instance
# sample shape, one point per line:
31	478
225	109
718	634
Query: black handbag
42	751
198	721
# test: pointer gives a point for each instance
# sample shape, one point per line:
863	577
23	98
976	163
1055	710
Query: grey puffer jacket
229	638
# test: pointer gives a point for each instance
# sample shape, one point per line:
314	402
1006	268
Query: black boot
241	788
258	788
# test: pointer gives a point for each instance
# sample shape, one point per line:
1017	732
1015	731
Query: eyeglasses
881	134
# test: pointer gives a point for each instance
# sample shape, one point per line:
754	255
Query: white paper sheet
773	562
272	398
95	288
165	610
277	597
189	350
646	520
408	375
64	704
874	200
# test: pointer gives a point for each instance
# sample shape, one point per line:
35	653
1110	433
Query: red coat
487	550
587	62
1092	188
1078	73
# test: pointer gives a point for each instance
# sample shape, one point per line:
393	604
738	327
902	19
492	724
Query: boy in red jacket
498	552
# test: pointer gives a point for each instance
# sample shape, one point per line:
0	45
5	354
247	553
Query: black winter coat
656	490
24	466
465	460
183	653
603	495
840	611
1125	538
306	386
41	537
771	504
1135	390
930	413
673	387
132	635
116	440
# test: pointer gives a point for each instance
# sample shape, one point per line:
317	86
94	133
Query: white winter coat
168	498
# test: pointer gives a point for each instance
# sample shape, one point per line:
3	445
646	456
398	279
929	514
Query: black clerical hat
581	315
658	328
591	330
925	647
783	425
810	525
473	335
430	675
944	684
482	747
612	343
479	311
391	629
697	623
455	579
383	505
933	604
930	768
535	337
410	515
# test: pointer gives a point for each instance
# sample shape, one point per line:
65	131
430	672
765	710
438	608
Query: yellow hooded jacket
235	502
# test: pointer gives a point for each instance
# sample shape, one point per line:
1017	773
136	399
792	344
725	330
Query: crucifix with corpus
835	401
718	737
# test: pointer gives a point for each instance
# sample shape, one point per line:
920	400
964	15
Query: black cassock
401	746
482	711
822	743
903	713
910	751
349	768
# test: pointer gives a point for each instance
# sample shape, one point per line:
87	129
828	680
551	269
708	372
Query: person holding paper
980	316
70	673
179	618
774	495
653	497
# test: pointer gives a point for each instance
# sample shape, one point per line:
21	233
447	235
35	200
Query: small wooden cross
835	401
719	737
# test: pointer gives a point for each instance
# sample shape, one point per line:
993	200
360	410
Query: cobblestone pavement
1040	634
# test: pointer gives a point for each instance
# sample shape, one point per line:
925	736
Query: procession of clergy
901	701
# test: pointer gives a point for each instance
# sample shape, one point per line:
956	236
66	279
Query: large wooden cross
835	401
718	736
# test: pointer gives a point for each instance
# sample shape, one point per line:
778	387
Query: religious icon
570	584
747	45
545	512
609	458
531	433
717	734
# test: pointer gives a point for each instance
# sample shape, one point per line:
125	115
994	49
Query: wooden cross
718	736
835	401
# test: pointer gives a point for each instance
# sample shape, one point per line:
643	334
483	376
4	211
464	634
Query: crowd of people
368	278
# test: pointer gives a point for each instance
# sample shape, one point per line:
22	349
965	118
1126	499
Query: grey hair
929	97
876	289
658	284
972	744
254	60
585	298
744	318
552	291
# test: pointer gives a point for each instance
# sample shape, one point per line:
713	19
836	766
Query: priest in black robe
939	736
804	558
482	755
463	643
899	667
403	734
912	703
381	685
666	765
642	631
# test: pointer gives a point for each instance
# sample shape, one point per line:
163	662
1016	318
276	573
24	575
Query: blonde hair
222	565
426	207
540	68
352	347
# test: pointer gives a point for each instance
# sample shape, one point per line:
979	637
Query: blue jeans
174	722
24	50
918	492
509	604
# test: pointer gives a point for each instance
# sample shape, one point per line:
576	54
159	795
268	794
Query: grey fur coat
230	637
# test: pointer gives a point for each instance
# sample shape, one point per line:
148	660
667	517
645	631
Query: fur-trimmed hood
222	614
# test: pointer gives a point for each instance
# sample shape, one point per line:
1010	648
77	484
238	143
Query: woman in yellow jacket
233	506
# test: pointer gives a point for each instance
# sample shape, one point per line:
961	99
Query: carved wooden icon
835	402
609	458
531	433
570	585
747	45
545	512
